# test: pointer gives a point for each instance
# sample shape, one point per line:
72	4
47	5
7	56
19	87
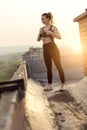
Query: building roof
78	18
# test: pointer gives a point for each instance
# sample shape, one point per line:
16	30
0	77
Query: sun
77	48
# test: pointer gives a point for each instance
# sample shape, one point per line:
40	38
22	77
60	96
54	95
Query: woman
50	50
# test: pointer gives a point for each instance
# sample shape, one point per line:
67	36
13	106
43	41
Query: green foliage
8	65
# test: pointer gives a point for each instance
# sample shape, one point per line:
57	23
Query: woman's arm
39	37
55	33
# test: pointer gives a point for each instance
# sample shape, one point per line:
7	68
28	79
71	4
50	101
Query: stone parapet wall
12	115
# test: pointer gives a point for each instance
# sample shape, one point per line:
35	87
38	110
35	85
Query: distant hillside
13	49
9	64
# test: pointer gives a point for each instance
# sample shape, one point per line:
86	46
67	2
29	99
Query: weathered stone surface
70	106
38	110
80	89
67	109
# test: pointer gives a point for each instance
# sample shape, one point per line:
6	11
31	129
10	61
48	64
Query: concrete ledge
79	91
38	110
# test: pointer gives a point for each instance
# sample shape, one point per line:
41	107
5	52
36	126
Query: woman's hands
49	32
56	35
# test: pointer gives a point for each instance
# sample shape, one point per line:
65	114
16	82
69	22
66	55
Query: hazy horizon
65	51
20	21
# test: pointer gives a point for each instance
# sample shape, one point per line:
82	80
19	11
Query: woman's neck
48	24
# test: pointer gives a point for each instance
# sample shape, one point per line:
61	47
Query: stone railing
12	114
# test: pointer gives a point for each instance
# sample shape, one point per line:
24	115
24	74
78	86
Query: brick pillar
83	36
82	20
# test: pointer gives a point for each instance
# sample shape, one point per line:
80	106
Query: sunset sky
20	21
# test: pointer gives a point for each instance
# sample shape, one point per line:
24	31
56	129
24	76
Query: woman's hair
49	15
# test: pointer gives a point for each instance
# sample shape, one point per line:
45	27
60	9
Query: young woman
50	51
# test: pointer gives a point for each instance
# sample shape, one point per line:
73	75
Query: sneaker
48	87
61	89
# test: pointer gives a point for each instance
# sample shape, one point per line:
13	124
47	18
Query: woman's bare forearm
56	35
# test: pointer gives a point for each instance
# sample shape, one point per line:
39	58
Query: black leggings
51	52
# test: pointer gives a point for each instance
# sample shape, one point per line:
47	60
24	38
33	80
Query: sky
20	21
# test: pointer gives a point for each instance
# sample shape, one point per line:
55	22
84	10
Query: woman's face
45	20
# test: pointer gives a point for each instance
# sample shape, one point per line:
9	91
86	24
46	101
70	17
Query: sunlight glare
77	48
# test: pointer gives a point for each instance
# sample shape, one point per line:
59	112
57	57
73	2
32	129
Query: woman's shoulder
41	28
54	28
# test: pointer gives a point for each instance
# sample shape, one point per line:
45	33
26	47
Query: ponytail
50	16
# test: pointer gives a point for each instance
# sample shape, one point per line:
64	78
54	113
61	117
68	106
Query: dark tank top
43	33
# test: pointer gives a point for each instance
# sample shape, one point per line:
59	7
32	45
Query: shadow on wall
72	70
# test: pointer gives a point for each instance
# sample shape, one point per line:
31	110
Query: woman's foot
62	87
48	87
